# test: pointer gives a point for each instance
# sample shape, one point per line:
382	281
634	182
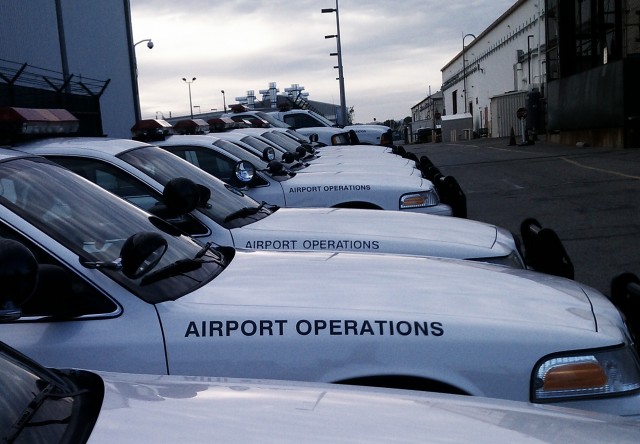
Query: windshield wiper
181	266
245	212
24	419
27	414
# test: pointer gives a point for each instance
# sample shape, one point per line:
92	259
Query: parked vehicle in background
144	175
326	135
100	407
119	289
304	121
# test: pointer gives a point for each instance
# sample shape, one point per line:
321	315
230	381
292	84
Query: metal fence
26	86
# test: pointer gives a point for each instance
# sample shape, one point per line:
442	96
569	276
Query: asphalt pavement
590	196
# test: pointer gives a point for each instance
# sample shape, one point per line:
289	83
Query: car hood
369	285
377	168
393	232
379	128
355	149
144	408
405	182
379	161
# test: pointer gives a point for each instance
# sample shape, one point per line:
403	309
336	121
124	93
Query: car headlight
417	200
586	374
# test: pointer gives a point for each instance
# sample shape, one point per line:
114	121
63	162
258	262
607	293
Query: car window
111	179
257	144
209	160
59	288
241	152
218	165
300	121
131	189
163	166
281	139
271	120
95	224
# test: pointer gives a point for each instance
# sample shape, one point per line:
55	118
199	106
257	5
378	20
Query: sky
392	50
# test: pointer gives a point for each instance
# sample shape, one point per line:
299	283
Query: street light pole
464	71
149	43
343	106
189	83
136	91
224	101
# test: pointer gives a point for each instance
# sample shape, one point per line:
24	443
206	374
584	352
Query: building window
454	99
581	35
552	39
585	42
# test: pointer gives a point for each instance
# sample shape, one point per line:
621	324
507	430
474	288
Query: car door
83	320
208	160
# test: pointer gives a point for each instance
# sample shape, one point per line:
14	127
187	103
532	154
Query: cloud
392	51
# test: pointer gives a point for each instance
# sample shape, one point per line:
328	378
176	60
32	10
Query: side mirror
276	168
309	148
301	152
340	139
544	251
141	252
268	154
19	277
625	295
288	157
244	172
182	195
138	255
353	138
313	138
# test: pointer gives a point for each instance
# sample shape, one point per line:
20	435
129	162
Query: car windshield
323	119
271	120
282	140
94	224
259	145
33	407
242	153
225	200
297	136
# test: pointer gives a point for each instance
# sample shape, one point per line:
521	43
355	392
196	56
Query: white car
360	157
102	407
327	159
306	122
365	158
121	290
344	188
324	135
138	172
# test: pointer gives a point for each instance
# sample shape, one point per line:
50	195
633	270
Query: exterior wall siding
502	59
98	46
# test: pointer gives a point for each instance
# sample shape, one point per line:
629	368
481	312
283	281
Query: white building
497	68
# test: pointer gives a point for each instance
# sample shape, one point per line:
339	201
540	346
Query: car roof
7	153
111	146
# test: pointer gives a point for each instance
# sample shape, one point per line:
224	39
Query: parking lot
590	196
